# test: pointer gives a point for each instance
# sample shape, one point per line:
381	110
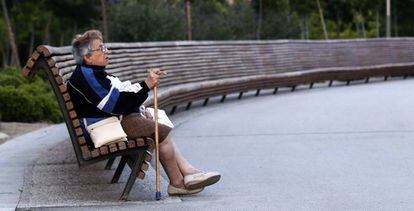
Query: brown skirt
136	125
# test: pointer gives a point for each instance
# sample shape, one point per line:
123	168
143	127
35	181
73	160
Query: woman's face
99	54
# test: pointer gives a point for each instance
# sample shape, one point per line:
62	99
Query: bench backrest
202	69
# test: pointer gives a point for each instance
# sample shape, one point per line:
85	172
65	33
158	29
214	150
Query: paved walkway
339	148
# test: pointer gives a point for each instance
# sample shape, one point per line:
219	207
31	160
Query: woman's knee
166	140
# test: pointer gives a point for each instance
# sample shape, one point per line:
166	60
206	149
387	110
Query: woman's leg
176	167
194	180
168	160
185	167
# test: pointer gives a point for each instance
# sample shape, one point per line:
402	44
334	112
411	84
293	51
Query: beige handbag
106	131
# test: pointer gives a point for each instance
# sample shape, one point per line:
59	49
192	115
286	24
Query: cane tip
158	196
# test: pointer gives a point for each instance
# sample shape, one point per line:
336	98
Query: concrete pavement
339	148
18	155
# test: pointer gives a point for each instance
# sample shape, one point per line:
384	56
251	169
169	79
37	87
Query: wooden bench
135	153
199	70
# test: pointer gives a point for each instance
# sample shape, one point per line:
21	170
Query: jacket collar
94	67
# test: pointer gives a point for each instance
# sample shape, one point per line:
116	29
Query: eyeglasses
101	48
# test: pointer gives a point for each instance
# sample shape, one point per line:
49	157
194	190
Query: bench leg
223	98
119	169
109	163
257	92
205	102
240	95
173	110
188	106
135	169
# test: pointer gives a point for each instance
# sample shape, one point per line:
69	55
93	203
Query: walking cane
157	158
157	154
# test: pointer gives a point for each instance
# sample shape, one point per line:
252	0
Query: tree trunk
306	27
388	18
357	28
104	20
259	21
395	14
75	28
338	25
7	56
15	53
4	57
302	28
62	39
188	15
32	36
377	23
325	32
362	21
46	36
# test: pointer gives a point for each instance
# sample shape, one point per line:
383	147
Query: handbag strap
85	122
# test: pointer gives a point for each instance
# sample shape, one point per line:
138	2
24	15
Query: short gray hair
81	44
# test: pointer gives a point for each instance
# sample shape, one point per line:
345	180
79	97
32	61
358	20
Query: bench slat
72	114
78	131
121	145
81	140
148	156
112	148
141	174
95	153
145	166
131	144
140	142
85	152
104	150
69	105
76	123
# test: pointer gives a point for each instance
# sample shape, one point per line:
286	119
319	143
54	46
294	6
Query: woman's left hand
147	114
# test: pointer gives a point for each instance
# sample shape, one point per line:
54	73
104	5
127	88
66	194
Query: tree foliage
56	22
26	100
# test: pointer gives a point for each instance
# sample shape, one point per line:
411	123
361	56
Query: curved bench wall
203	69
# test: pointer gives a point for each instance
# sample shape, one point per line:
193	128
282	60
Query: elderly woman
98	95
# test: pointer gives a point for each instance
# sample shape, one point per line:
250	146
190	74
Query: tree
322	19
15	54
260	19
155	20
304	10
278	20
104	20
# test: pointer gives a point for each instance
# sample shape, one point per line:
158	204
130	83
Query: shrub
26	100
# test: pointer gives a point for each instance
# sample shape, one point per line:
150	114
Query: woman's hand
147	114
153	79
